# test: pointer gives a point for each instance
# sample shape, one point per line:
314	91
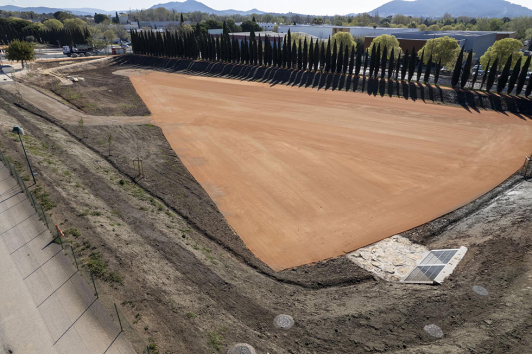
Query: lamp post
20	131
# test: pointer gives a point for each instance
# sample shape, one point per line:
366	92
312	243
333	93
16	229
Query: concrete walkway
45	306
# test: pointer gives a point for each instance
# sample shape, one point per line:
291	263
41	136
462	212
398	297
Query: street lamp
20	131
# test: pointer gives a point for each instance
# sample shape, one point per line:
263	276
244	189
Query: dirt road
303	175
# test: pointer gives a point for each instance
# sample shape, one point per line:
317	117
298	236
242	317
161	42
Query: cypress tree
289	49
475	75
457	68
283	62
427	72
384	62
285	56
274	52
372	60
522	77
406	64
467	69
340	61
334	58
398	66
412	63
358	62
390	65
300	55
260	54
513	77
420	66
377	61
492	74
437	73
279	53
310	56
365	63
305	55
485	74
294	56
346	59
503	79
352	61
318	56
528	90
328	56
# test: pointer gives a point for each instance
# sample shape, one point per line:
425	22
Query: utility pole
19	130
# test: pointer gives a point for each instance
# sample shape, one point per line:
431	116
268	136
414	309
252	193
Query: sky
317	7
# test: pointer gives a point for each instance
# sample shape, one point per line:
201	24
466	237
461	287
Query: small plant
73	231
146	327
44	198
191	315
215	340
96	213
152	347
81	125
109	141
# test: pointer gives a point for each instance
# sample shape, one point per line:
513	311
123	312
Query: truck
77	50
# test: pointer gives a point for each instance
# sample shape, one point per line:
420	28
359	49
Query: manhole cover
433	330
480	290
241	348
283	322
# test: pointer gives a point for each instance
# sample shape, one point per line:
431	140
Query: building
478	41
240	36
326	31
161	24
267	26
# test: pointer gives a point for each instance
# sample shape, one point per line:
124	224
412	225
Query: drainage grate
435	266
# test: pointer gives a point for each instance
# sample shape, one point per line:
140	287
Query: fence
79	279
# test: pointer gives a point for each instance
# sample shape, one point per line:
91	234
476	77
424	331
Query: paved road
45	306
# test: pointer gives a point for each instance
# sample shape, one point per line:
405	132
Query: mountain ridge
193	5
435	9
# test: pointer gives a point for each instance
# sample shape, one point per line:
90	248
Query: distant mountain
192	6
48	10
471	8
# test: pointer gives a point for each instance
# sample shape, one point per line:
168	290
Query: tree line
20	30
328	57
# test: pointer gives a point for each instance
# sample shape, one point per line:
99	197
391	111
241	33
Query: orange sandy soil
304	175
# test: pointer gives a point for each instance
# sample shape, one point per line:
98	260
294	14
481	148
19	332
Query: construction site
153	207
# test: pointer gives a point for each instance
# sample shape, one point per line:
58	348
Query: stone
434	330
241	348
403	270
376	264
398	261
283	322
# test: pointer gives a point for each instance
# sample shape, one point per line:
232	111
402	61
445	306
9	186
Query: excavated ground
192	294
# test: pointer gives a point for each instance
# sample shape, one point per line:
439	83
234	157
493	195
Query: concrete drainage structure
390	259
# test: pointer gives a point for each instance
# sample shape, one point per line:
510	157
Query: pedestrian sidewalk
45	305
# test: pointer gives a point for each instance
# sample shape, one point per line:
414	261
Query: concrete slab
45	306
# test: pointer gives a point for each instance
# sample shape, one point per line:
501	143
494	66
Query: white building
267	26
326	31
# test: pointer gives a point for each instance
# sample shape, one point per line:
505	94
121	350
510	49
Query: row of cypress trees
516	79
325	56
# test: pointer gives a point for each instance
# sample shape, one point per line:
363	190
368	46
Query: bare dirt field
98	92
303	175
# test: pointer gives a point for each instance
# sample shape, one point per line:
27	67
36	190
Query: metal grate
424	274
439	257
435	266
